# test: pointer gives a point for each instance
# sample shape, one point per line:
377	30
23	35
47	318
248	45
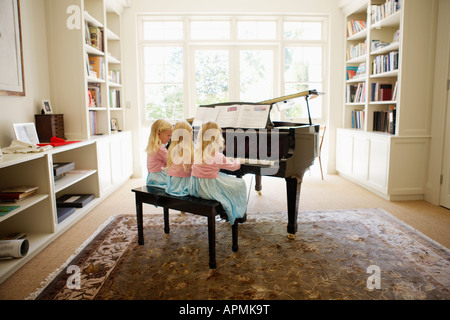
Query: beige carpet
332	193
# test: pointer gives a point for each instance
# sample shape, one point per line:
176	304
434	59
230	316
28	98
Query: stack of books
17	193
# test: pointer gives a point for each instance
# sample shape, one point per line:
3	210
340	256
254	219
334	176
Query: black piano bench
206	208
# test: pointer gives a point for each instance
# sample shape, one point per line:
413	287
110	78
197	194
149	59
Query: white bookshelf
70	52
391	164
102	164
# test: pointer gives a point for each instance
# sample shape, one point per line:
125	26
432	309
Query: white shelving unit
37	215
71	53
392	164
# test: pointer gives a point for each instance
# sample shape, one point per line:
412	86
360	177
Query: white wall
35	64
336	32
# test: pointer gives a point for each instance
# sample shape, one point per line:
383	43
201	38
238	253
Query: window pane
257	30
256	70
163	64
298	108
163	30
164	101
216	30
303	64
303	30
211	76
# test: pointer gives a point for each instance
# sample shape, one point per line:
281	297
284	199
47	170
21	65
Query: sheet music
247	116
204	115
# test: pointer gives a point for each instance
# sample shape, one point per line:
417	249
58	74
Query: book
97	64
74	200
16	193
60	168
63	213
96	38
4	210
234	115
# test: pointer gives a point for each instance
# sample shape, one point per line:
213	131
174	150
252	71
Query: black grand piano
282	149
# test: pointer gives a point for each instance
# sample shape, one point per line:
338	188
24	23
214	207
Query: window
187	61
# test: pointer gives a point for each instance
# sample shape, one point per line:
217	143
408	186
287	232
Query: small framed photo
114	124
26	132
46	107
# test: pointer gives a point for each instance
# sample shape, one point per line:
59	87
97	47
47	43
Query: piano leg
258	186
293	185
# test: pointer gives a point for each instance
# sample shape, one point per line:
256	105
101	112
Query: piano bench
206	208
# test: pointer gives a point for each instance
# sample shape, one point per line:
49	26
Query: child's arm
225	163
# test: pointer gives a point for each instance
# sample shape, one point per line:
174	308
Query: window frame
234	45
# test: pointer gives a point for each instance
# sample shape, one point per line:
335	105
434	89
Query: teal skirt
178	186
228	190
157	179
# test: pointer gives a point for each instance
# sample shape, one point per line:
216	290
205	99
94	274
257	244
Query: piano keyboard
255	162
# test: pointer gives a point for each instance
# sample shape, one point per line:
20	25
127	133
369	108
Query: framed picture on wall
26	132
12	82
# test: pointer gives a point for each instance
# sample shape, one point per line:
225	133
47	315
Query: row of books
114	98
379	12
97	67
114	76
385	62
356	72
384	121
356	50
356	93
355	26
96	38
383	91
358	119
16	193
93	122
95	96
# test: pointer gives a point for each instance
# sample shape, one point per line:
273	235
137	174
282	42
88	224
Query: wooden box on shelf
49	125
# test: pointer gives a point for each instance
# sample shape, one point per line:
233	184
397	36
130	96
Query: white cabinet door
104	164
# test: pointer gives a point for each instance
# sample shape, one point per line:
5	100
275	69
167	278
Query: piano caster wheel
259	193
291	236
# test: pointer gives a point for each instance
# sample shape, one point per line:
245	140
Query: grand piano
282	149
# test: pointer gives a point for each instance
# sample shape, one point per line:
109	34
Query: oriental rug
364	254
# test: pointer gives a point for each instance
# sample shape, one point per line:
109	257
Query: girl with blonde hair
206	180
180	159
160	135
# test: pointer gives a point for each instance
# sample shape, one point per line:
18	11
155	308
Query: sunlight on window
257	30
256	75
211	76
163	78
210	30
303	30
163	30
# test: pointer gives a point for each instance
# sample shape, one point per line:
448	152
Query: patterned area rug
352	255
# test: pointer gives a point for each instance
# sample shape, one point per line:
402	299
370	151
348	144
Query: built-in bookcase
86	68
385	131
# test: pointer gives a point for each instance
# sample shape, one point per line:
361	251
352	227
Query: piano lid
306	94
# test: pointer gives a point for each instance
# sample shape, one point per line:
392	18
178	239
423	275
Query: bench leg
140	222
166	220
234	234
212	240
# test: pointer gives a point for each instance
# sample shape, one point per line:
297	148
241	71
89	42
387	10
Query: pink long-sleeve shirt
157	161
177	170
211	171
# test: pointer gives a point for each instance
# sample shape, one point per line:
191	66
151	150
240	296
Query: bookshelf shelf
386	153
